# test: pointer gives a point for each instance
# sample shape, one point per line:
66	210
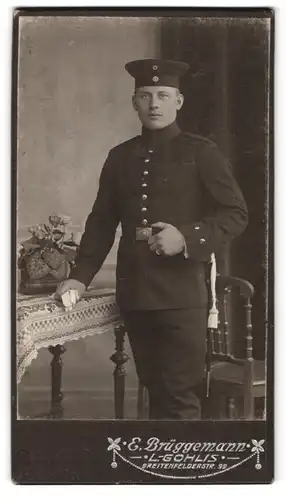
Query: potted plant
46	258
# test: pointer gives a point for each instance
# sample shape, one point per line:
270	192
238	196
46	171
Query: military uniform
182	179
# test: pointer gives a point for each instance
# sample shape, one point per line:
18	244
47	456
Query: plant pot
45	284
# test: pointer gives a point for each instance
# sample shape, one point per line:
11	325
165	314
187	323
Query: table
43	322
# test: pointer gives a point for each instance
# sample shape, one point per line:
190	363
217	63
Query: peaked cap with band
157	72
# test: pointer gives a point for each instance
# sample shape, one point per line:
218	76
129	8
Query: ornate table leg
57	396
119	358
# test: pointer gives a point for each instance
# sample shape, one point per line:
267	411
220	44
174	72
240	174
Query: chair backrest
219	345
219	342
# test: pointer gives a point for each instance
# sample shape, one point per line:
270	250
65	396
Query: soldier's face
157	106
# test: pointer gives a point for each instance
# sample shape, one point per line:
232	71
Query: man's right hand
70	284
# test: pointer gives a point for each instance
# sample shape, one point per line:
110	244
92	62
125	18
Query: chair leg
230	408
206	404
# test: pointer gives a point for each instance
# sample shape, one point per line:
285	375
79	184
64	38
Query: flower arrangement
50	252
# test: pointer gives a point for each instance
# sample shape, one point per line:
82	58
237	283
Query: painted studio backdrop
74	105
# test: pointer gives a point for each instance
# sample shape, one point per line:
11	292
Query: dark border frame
31	463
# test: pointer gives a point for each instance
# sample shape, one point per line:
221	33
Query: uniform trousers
169	348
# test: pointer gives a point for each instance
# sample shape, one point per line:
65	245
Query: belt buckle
143	233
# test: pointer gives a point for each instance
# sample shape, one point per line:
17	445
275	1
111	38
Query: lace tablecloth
42	321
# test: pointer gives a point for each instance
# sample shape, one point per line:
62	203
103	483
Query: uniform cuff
196	242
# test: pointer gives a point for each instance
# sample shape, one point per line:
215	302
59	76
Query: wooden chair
227	376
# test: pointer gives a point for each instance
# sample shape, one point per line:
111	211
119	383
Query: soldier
177	201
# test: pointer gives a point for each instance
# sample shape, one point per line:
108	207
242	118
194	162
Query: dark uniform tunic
181	179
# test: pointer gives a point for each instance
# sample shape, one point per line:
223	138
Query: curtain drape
226	100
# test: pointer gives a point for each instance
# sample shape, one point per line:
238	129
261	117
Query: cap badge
155	67
155	79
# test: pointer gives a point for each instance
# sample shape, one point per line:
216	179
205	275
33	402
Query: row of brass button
145	197
145	185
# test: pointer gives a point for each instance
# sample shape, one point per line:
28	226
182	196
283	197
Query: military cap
156	72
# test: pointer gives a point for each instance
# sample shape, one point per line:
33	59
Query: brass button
146	160
202	241
145	172
144	185
196	228
144	197
144	222
150	151
143	209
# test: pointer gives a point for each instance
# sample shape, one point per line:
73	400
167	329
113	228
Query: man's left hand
169	241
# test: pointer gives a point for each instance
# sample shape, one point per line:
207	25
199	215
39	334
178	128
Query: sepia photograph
142	150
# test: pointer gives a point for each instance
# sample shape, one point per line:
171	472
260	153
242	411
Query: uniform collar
157	138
